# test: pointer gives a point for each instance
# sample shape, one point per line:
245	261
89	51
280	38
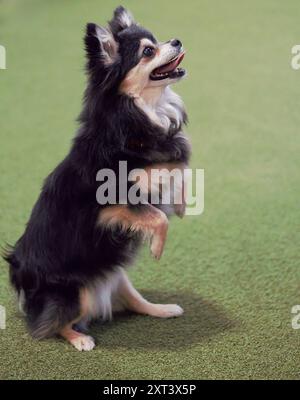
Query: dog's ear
100	45
122	19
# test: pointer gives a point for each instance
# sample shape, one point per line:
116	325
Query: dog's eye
148	51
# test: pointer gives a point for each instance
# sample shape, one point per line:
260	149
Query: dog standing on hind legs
69	265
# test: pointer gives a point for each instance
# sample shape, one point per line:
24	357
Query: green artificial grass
234	269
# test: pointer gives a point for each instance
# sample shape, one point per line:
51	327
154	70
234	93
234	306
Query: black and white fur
68	267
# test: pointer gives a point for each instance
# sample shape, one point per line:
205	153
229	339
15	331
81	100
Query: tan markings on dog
150	221
159	103
134	301
137	78
134	86
122	296
85	302
78	339
88	310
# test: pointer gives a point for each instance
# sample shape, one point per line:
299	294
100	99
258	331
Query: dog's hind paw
83	343
165	310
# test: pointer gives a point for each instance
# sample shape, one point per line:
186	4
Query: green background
234	269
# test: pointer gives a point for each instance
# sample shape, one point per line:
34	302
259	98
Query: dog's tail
8	254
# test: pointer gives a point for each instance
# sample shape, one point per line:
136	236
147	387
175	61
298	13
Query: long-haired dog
69	265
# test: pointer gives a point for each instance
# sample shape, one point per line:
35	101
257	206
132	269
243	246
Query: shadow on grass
201	320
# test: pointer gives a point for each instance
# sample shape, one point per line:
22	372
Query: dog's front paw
157	246
83	343
159	238
179	210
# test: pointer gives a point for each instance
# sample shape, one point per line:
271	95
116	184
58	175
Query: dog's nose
176	43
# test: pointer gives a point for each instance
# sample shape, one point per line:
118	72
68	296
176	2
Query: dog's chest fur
163	107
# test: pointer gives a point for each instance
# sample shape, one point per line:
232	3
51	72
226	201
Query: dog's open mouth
169	70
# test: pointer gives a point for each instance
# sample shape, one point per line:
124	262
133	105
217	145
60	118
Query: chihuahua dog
69	266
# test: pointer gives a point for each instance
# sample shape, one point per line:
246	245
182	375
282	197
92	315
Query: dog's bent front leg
134	301
145	218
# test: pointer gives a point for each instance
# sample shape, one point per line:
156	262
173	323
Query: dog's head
128	57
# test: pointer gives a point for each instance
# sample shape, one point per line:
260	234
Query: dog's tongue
170	66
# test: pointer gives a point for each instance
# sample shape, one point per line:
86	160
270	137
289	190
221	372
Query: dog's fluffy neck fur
162	106
152	95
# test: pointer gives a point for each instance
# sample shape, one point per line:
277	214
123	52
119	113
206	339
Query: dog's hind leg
134	301
54	311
